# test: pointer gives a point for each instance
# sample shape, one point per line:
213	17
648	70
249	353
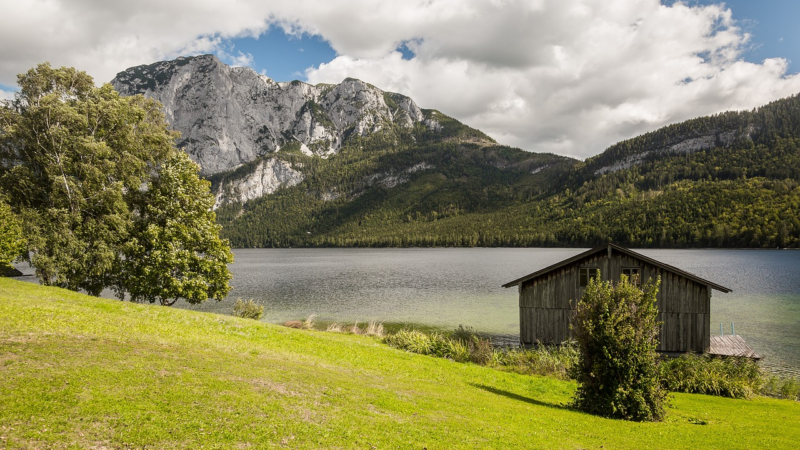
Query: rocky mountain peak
229	116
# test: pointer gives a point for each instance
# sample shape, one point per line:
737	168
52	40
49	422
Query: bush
617	334
248	309
480	349
727	377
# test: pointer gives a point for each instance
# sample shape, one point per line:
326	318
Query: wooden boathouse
547	298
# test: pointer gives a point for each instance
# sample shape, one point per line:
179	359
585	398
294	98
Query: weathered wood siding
546	303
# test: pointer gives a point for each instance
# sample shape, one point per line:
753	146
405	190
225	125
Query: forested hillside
729	180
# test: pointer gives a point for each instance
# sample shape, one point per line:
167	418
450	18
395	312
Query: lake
447	287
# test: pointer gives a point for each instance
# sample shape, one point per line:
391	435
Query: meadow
85	372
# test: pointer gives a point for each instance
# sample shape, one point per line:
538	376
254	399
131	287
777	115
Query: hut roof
732	345
626	251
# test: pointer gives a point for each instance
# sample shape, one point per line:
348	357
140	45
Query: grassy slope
82	372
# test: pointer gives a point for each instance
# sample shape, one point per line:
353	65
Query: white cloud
567	76
573	77
6	95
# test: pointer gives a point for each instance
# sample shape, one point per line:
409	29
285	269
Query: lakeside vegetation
85	372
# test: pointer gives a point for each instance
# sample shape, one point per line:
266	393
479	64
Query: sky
564	76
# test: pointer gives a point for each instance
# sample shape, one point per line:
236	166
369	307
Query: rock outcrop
685	144
229	116
265	178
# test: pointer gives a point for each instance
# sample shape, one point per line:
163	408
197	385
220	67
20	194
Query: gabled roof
625	251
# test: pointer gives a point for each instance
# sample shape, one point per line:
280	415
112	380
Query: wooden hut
547	298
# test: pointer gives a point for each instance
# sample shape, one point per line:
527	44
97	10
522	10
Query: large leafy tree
617	333
73	160
175	251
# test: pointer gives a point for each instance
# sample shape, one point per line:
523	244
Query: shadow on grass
514	396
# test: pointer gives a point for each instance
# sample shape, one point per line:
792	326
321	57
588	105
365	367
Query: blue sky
774	26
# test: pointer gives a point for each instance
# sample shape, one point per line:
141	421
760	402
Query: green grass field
83	372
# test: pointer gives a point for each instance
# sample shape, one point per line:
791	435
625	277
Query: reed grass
703	374
248	309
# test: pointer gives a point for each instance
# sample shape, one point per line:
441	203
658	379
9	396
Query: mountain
293	164
229	116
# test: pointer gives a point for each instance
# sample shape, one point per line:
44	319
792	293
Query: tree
175	250
73	158
617	333
11	243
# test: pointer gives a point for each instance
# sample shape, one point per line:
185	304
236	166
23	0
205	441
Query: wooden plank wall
684	306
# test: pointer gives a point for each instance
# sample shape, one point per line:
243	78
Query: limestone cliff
229	116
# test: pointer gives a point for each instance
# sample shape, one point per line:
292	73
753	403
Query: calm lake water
445	288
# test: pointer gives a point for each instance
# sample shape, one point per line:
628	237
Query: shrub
480	349
617	333
727	377
248	309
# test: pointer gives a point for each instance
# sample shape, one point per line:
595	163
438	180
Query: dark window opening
634	275
585	274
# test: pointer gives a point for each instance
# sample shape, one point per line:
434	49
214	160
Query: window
634	274
585	274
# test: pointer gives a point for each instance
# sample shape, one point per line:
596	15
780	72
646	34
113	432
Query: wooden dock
731	345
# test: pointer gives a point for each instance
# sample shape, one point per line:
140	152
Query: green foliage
465	345
70	154
248	309
73	161
175	250
434	344
703	374
11	240
781	387
617	333
547	360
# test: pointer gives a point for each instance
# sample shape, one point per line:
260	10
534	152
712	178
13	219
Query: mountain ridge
202	97
731	179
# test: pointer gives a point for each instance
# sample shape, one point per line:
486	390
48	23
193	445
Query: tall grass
464	345
702	374
372	328
779	387
434	344
548	360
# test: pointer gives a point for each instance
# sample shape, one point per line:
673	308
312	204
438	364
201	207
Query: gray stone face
228	116
267	176
688	144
